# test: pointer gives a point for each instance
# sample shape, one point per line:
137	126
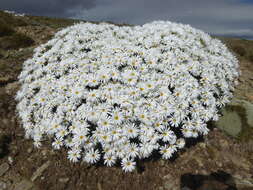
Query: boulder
237	119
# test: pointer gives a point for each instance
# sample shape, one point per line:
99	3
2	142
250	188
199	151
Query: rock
40	170
241	162
213	185
162	162
237	118
170	183
99	186
10	160
185	188
4	168
170	186
230	123
29	150
24	185
52	152
224	143
3	185
243	182
213	152
14	151
202	145
44	152
64	180
219	180
203	172
219	164
241	80
199	160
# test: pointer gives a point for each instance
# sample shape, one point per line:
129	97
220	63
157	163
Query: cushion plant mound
118	94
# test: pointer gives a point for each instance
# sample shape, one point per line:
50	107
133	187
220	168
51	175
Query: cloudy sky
219	17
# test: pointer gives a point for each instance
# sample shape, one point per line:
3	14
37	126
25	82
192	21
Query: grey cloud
56	8
228	17
215	17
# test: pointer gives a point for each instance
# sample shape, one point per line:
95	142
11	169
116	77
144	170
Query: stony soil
216	162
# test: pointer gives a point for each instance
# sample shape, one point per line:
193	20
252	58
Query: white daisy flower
133	150
92	156
128	165
168	136
74	155
180	143
109	160
93	96
104	123
130	130
167	151
146	150
104	74
93	80
58	142
116	117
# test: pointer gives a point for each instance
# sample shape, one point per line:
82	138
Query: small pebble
64	180
29	151
10	160
3	185
4	168
44	152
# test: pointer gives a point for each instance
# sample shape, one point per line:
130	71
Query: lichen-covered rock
237	119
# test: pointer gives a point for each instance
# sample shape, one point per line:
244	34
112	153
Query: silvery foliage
118	94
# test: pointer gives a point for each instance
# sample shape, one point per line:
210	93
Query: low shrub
5	30
15	41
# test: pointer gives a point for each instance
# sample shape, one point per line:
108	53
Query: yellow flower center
81	137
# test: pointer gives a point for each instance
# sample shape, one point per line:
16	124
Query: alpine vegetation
117	94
